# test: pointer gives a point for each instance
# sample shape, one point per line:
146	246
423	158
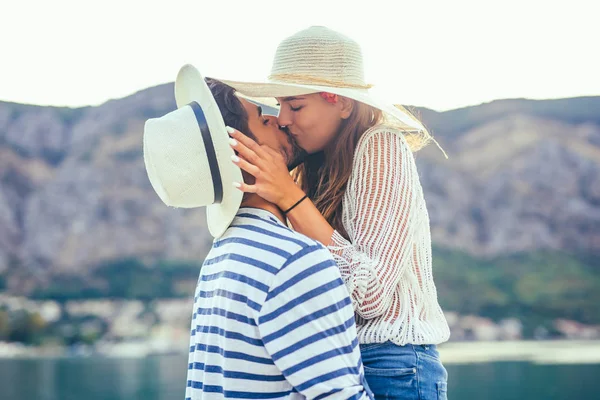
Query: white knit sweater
386	265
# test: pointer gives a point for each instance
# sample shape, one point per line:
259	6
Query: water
162	378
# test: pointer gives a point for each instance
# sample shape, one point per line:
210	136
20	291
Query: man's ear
347	105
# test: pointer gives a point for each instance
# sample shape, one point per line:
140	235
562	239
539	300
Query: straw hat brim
266	89
190	86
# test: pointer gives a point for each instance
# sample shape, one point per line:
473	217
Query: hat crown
319	55
176	161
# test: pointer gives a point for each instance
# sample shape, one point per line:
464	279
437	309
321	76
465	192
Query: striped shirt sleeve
307	326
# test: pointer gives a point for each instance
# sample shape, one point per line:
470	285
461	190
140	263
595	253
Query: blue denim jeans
410	372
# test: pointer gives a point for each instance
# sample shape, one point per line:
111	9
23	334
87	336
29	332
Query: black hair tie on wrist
298	202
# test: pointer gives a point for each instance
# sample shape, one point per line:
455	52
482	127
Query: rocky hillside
522	175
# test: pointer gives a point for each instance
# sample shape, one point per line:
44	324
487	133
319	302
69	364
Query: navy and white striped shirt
272	318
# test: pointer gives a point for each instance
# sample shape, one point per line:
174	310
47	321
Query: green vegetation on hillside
534	287
126	279
537	288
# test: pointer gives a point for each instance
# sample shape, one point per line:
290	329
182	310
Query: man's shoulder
261	231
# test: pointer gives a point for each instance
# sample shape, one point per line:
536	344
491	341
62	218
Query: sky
438	54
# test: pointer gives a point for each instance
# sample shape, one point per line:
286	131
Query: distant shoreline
542	352
536	352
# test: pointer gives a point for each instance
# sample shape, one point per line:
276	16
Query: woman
365	204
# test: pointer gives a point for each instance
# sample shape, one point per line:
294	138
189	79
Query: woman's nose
284	118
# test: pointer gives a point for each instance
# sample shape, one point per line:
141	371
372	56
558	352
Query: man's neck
255	201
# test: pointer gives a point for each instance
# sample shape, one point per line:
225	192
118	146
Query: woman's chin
311	150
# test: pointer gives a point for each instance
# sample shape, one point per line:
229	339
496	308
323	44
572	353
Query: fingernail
233	142
235	158
237	185
229	129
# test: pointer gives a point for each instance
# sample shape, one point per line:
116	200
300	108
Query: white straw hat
319	59
188	157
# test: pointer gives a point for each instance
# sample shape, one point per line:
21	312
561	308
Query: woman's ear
346	107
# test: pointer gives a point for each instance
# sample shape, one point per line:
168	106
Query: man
272	318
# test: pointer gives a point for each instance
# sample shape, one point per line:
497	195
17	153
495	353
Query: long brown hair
324	176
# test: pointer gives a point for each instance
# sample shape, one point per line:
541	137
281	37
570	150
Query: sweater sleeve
381	221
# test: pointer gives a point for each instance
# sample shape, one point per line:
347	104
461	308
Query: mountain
522	177
74	192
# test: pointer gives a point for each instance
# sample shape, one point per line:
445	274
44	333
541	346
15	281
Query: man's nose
272	119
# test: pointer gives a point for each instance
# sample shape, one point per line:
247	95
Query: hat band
210	152
311	80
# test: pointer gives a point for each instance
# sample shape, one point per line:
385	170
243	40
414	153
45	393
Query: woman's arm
382	216
308	220
274	184
382	219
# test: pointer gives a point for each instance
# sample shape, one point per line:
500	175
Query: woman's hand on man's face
269	169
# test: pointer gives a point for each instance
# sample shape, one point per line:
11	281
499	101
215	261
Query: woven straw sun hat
319	59
188	157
